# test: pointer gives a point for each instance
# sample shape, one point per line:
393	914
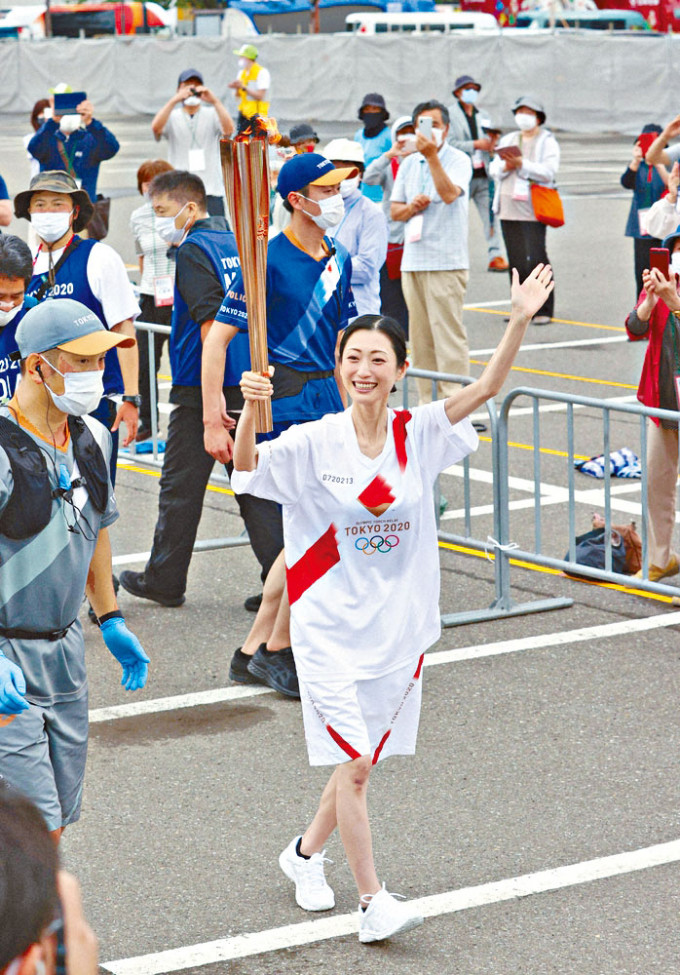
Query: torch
245	167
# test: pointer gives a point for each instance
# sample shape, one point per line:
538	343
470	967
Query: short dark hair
303	191
15	258
389	327
28	875
428	107
150	168
181	186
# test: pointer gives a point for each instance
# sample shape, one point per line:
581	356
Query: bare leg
355	830
264	622
317	833
280	634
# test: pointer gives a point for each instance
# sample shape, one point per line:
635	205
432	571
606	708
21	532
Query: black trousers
392	301
158	316
525	247
643	245
186	470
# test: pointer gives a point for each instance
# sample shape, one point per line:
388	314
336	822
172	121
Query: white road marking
602	632
542	346
450	902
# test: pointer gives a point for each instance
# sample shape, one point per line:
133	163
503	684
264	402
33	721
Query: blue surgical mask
469	96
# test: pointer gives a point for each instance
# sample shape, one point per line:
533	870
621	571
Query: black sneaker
276	669
253	603
238	668
133	582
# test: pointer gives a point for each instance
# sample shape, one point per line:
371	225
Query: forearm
213	360
99	588
128	359
445	187
161	118
226	121
245	449
469	398
107	144
657	152
402	212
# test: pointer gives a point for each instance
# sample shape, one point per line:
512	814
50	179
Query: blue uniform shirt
309	303
10	369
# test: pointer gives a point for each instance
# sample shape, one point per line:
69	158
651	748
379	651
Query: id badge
642	221
414	229
521	190
163	291
676	380
196	160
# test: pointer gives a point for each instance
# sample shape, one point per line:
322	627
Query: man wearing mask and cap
374	138
16	271
251	86
67	266
76	143
466	133
55	548
193	121
309	303
363	228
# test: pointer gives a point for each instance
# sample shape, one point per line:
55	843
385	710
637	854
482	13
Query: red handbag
547	205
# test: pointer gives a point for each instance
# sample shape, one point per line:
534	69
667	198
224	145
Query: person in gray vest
56	504
467	134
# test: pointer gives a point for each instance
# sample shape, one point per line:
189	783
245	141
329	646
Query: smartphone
66	103
660	258
425	126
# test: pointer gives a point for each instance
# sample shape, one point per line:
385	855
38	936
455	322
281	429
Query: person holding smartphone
430	197
655	318
528	155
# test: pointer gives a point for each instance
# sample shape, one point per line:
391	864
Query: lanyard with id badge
196	156
414	226
163	284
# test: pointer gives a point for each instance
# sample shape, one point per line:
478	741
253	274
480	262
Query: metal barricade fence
508	549
504	548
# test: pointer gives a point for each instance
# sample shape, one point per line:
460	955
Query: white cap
344	150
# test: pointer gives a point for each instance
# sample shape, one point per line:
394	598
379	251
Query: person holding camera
193	121
430	197
76	143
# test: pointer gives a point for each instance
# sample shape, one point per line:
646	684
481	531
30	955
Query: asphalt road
542	746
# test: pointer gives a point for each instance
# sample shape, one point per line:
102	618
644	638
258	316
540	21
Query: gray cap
528	101
61	323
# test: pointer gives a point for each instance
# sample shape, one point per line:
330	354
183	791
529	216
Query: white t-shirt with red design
361	541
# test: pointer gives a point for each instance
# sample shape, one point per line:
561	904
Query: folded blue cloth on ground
622	463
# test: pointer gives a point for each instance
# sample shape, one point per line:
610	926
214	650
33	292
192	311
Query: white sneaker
312	893
385	916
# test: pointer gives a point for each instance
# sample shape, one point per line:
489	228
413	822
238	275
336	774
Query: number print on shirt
59	290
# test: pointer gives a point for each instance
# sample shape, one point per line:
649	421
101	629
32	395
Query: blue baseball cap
61	323
309	168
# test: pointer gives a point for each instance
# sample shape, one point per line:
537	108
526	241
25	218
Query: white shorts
377	717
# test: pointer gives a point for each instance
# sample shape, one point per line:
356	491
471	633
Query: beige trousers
438	337
662	476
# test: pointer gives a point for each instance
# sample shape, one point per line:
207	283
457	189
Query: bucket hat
56	181
533	103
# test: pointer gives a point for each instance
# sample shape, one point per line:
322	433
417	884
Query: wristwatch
137	400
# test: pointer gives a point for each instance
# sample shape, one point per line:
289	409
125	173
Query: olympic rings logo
377	543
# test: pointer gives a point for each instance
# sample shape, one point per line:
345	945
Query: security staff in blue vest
207	260
66	266
16	271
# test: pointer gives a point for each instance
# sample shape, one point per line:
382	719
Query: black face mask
374	123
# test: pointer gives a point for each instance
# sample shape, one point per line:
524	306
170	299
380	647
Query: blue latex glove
12	688
128	651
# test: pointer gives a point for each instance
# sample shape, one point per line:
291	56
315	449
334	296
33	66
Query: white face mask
469	96
69	123
167	228
243	63
348	186
192	101
438	136
82	391
51	226
332	211
675	262
7	316
525	121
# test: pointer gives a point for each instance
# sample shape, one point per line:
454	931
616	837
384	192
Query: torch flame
260	128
